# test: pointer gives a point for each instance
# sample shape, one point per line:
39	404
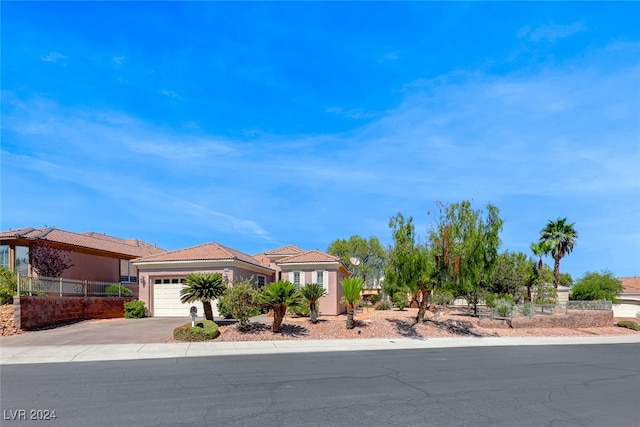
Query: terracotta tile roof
90	240
309	257
631	284
283	251
205	252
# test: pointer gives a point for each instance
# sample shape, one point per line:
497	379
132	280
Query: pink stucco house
161	275
95	256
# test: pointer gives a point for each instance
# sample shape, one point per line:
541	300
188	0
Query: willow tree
466	242
409	265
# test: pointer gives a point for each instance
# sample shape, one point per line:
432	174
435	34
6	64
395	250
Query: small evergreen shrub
117	290
224	307
135	309
492	299
400	300
629	324
202	331
527	309
383	305
302	310
502	307
8	286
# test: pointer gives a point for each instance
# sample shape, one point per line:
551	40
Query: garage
166	300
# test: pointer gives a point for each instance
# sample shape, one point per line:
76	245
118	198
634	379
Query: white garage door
626	310
166	302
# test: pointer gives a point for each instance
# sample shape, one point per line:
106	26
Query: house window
319	277
167	281
261	281
296	279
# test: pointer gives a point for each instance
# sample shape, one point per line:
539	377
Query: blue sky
257	125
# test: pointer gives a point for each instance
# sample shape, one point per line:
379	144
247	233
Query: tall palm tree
204	287
351	288
312	293
561	237
278	296
539	249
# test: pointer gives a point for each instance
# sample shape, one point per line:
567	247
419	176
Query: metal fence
57	286
485	312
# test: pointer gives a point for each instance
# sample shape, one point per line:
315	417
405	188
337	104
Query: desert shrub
8	286
383	305
240	300
202	331
527	309
224	307
135	309
492	299
442	297
502	307
117	290
629	324
374	298
302	310
400	300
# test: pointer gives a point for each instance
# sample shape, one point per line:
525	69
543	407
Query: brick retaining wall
39	312
573	319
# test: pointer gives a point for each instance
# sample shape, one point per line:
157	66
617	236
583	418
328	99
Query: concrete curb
106	352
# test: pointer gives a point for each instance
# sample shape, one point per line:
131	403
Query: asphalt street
575	385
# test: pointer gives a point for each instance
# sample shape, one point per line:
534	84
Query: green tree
312	293
597	286
240	298
512	274
409	264
203	287
466	243
561	237
351	288
278	296
369	253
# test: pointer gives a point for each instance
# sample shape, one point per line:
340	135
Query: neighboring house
94	256
302	267
162	276
629	298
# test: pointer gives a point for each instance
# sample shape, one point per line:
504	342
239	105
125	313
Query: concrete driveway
103	331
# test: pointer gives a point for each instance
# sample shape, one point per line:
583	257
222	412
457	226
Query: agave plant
351	288
278	296
204	287
312	293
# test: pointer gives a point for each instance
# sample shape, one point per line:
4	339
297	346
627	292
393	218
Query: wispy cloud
53	57
551	32
118	60
169	93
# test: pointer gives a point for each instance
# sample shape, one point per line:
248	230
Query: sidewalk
102	352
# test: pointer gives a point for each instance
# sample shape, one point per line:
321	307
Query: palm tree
539	249
561	237
312	293
204	287
278	296
351	288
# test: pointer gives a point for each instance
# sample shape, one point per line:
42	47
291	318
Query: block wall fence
40	312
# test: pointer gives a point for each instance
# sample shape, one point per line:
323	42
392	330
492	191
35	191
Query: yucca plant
351	288
312	293
278	296
204	287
